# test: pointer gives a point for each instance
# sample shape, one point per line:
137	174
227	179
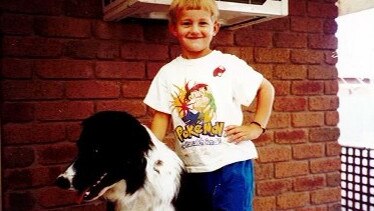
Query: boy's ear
216	27
172	29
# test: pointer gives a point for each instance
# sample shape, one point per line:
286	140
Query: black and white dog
120	160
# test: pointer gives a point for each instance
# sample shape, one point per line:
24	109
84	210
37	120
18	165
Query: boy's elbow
267	88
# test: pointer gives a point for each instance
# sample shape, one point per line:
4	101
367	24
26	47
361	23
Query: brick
308	119
331	87
52	196
30	177
308	183
282	88
64	69
333	179
120	70
307	24
84	8
14	24
265	69
117	31
325	165
331	57
294	136
31	90
322	10
135	88
290	40
264	171
332	118
290	72
273	187
142	51
153	68
224	37
34	133
330	26
63	27
290	104
159	33
88	49
307	56
333	148
307	87
279	24
297	7
17	157
335	206
245	53
20	201
134	107
73	131
274	55
313	208
175	51
292	200
324	196
329	42
92	89
324	134
274	154
291	169
264	139
40	7
322	72
17	68
71	110
56	154
264	203
17	112
253	38
32	47
307	151
279	120
323	103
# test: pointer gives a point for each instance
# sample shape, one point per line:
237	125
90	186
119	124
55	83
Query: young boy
202	92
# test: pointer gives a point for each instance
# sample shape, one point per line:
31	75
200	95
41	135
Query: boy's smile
194	30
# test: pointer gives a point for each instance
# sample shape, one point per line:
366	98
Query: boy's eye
185	23
203	23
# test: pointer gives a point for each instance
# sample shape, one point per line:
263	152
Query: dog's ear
133	171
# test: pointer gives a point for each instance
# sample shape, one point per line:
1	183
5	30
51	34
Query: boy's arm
160	124
265	98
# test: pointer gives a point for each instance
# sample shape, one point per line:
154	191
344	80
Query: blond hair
178	5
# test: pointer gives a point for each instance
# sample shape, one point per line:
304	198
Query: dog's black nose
63	182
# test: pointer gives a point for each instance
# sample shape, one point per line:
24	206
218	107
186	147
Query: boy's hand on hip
236	134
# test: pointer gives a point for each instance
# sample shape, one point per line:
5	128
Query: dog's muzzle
63	182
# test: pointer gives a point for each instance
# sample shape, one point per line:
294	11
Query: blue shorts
230	188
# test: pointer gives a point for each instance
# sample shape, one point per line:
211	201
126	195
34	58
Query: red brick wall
61	63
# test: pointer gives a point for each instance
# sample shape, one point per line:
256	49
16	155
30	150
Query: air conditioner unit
233	13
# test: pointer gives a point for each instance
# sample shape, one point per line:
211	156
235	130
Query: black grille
357	179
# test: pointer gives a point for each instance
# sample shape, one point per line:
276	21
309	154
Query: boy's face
194	30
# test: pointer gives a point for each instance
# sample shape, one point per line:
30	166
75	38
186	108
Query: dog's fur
120	160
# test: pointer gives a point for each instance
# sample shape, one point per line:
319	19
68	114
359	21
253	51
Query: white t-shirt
204	96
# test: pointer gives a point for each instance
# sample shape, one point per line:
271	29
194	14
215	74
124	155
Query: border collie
120	160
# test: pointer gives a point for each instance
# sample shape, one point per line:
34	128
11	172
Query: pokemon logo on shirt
196	107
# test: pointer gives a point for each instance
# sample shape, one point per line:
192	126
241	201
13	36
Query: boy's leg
236	189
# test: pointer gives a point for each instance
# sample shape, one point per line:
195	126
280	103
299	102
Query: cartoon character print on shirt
196	107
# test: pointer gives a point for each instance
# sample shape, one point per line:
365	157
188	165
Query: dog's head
112	147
